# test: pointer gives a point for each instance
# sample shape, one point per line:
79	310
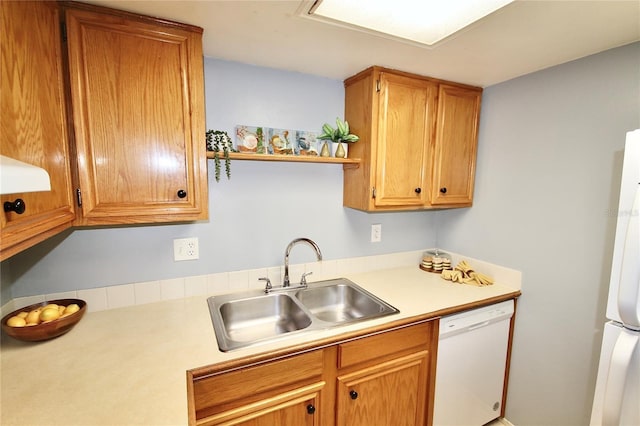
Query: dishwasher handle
479	325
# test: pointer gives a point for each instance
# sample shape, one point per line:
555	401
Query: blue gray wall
549	167
253	216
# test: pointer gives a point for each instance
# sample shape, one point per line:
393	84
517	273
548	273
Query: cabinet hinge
373	193
63	31
377	85
79	197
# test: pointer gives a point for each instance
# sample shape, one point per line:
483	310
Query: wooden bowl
48	330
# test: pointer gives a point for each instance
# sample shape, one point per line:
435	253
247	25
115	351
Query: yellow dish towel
464	274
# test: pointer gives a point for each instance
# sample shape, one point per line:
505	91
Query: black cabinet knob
182	193
17	206
418	190
353	394
311	409
443	190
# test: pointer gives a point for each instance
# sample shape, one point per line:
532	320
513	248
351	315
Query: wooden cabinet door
405	110
277	392
391	393
33	120
300	411
138	111
455	145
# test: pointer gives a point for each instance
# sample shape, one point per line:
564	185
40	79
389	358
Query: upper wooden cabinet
456	141
137	93
113	110
33	120
418	139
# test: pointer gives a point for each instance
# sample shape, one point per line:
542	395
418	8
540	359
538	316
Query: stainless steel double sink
253	317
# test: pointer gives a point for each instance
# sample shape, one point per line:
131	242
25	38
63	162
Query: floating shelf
353	162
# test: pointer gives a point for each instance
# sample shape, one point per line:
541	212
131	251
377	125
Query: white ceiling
520	38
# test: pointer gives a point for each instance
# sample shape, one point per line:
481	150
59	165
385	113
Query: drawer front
245	384
384	344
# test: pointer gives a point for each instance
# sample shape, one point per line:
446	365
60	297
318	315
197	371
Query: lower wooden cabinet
297	407
287	390
391	393
378	378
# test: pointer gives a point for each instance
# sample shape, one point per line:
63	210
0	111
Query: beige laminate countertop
127	366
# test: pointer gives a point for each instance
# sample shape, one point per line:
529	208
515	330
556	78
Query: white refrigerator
617	395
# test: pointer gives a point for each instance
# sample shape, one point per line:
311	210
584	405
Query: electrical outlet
376	233
185	249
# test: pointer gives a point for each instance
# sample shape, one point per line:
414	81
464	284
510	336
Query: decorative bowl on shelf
45	330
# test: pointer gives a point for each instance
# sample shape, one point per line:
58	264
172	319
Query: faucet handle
303	278
267	286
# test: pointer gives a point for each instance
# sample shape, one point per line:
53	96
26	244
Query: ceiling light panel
421	21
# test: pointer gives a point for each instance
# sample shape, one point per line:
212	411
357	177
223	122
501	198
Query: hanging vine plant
218	142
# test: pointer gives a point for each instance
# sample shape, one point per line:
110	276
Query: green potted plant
338	135
218	141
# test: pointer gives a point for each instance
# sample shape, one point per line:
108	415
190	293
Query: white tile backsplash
119	296
28	300
329	269
99	299
195	286
96	298
346	266
172	289
147	292
218	283
239	280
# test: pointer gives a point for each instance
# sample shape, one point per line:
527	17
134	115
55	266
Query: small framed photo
250	140
280	141
306	143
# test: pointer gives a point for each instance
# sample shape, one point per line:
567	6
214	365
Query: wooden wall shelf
353	162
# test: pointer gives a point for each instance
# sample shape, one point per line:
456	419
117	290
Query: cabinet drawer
237	387
383	344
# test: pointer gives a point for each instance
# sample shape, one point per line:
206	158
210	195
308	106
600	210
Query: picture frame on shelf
250	140
306	143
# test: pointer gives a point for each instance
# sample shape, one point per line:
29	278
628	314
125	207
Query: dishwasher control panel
475	318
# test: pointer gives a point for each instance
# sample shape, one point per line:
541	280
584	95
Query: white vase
334	148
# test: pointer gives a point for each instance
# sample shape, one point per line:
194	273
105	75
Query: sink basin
253	317
262	317
342	302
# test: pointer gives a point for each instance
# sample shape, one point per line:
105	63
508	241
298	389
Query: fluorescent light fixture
420	21
18	177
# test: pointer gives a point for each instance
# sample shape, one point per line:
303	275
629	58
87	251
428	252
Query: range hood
18	177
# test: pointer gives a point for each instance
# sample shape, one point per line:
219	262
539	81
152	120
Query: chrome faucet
286	282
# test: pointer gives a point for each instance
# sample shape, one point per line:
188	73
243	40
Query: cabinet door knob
418	190
17	206
311	409
443	190
182	193
353	394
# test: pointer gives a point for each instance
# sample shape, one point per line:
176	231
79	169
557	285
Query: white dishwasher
470	372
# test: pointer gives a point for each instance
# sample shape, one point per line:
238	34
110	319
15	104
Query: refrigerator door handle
629	285
616	380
